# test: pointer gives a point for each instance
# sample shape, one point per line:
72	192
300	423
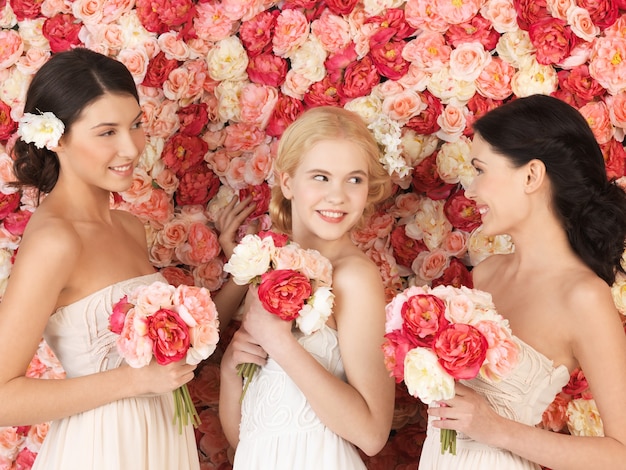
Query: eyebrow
318	170
106	124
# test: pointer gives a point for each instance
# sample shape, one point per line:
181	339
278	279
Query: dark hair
67	83
592	209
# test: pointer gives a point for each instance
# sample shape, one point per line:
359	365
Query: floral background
219	82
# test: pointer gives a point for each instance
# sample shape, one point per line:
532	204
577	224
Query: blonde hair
311	127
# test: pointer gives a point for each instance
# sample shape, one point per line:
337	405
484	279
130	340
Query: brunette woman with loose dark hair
541	179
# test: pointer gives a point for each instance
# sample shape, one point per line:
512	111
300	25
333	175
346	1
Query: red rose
552	38
341	7
170	335
456	275
261	194
478	106
358	79
614	159
267	69
423	316
386	54
405	249
530	11
461	350
159	68
25	458
7	125
182	152
426	121
602	12
581	84
426	179
338	61
197	186
577	384
118	315
393	20
61	31
283	292
286	110
193	118
8	203
15	222
322	93
478	29
280	239
160	16
26	9
462	212
256	34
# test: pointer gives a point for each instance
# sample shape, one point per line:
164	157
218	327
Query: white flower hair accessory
43	129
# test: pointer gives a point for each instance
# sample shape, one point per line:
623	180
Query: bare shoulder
356	272
50	234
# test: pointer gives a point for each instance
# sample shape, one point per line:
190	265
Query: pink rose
323	93
461	350
26	9
118	315
395	347
267	69
341	7
386	53
614	159
12	47
597	115
177	276
170	336
15	222
554	417
283	292
423	316
359	77
603	12
530	12
477	29
256	34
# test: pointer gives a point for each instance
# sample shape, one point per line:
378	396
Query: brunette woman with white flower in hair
80	140
540	178
316	396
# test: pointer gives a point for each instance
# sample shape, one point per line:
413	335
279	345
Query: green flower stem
184	409
247	371
448	441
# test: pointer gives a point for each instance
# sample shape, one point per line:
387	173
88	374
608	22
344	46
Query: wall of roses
219	82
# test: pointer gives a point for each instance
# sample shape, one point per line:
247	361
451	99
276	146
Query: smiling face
104	144
328	191
497	188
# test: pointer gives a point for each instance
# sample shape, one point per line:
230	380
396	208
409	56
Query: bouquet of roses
435	336
294	283
169	323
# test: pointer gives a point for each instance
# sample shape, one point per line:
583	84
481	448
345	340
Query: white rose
228	60
42	130
583	418
425	378
316	311
250	259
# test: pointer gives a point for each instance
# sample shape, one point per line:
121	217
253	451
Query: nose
132	143
336	193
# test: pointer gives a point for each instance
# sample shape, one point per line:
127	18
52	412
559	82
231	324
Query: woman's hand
156	378
469	413
230	219
243	349
265	327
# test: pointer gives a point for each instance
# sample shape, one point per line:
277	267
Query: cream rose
425	378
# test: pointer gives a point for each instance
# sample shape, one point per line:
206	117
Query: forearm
25	401
364	421
560	451
231	386
227	300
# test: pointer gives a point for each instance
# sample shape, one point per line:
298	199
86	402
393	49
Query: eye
137	125
356	180
320	178
107	133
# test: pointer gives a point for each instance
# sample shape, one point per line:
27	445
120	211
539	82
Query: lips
332	216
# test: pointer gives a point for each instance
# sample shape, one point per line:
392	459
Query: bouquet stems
184	409
246	370
448	441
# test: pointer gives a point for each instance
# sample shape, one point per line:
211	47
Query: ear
286	185
535	175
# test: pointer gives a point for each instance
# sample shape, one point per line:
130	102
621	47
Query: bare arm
360	410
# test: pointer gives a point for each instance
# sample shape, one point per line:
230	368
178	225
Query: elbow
375	443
